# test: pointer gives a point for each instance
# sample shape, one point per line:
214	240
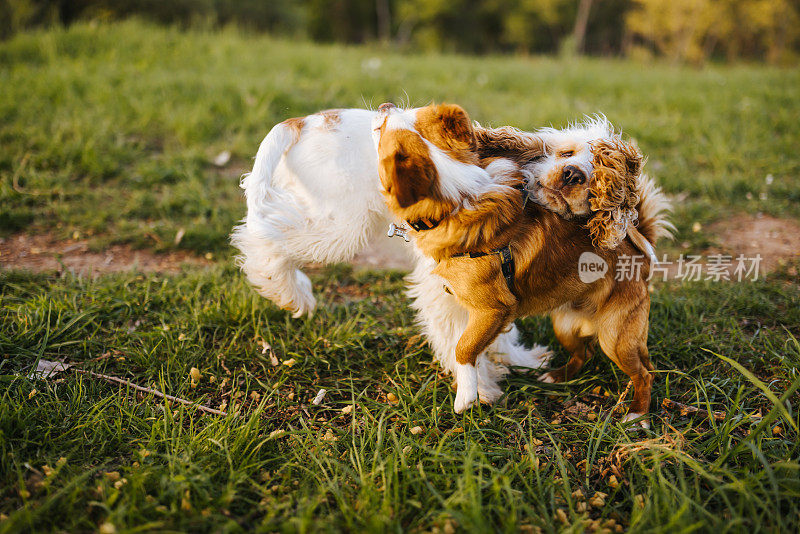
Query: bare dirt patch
776	240
45	253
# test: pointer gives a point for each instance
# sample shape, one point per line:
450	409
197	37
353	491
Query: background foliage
681	30
111	130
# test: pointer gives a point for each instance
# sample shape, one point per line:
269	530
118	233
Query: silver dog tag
398	230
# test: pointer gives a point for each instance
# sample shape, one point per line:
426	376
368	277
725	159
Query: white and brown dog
314	196
504	258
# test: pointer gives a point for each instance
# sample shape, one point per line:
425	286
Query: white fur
467	387
316	197
577	137
651	252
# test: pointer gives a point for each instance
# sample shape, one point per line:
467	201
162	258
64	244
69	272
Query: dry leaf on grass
222	158
46	369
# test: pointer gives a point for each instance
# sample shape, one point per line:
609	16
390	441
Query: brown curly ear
633	158
508	142
613	191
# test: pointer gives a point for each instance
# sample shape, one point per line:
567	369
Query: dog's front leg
483	327
442	321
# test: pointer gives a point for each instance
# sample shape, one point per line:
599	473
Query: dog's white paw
518	356
547	378
489	394
465	399
467	389
535	358
489	375
643	421
303	302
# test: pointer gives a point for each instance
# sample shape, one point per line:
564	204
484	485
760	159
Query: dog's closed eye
566	154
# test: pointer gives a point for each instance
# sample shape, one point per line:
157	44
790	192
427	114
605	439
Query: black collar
424	224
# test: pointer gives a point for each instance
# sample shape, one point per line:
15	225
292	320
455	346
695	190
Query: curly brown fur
508	142
613	191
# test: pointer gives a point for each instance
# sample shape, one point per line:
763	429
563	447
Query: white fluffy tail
272	148
653	209
268	266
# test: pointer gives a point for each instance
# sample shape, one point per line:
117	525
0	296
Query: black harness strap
506	257
506	262
507	266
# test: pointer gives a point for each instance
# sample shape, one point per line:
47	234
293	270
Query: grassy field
110	132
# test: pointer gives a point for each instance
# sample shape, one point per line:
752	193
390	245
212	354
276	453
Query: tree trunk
384	20
581	20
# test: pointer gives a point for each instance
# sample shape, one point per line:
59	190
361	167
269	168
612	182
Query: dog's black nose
386	106
572	175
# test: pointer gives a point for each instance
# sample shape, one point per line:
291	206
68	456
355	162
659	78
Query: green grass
117	125
494	469
109	131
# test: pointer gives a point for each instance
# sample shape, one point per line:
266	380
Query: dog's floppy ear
456	123
613	191
406	168
508	142
448	127
633	158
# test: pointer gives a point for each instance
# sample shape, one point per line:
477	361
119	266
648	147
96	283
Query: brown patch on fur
331	118
546	251
405	167
448	127
295	124
613	191
508	142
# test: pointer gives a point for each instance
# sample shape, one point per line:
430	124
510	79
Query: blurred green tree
680	30
696	30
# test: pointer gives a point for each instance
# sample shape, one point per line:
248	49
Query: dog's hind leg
627	347
272	272
575	332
